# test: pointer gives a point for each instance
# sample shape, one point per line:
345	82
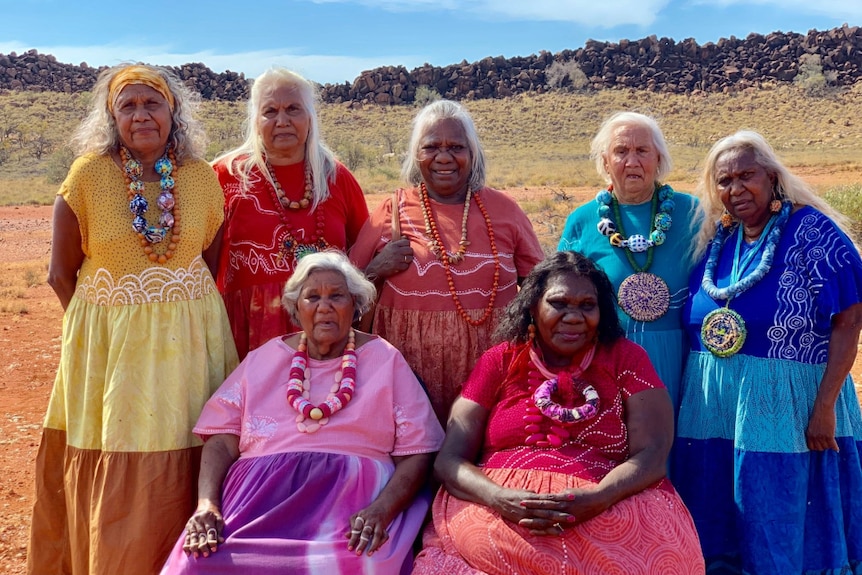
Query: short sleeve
528	250
74	191
484	383
634	371
223	412
570	241
370	239
835	265
357	208
416	427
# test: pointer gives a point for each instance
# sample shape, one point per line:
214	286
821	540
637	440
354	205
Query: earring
775	206
531	332
611	187
726	220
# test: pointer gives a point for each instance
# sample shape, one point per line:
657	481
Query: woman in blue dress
767	456
640	233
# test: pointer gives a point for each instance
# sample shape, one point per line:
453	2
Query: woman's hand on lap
204	530
368	530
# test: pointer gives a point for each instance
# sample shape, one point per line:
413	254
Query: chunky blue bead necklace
771	235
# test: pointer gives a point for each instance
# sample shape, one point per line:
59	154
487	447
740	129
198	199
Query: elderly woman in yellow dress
146	340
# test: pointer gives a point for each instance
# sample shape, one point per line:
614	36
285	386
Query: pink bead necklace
299	386
540	407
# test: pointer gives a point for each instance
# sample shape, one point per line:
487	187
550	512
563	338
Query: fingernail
571	519
570	496
522	504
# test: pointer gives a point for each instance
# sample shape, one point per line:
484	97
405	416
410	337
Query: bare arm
649	421
219	453
843	345
212	253
456	469
368	528
66	253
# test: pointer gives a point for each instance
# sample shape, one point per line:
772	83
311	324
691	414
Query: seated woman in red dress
554	458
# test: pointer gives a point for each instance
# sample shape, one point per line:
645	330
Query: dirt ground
30	344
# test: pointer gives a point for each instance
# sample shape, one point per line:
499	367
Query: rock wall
42	73
661	65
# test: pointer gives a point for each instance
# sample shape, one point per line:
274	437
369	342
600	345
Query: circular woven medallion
723	332
644	296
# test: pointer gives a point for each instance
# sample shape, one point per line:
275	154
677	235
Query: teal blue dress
664	339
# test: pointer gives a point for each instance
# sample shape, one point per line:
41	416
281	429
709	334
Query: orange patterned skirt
647	533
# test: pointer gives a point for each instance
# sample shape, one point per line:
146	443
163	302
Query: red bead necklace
443	255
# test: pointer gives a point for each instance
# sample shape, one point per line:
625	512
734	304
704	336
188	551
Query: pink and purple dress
287	500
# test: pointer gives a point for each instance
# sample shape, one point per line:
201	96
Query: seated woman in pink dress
315	447
554	458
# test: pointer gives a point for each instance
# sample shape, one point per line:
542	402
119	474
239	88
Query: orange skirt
647	533
104	513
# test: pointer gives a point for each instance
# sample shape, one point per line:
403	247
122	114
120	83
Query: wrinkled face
325	309
631	162
444	158
143	119
744	187
283	122
567	318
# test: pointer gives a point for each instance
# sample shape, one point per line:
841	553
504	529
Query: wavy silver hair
362	290
601	144
787	186
242	160
98	132
424	121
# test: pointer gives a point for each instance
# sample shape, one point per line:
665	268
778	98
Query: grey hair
787	185
98	132
601	144
242	160
362	290
424	121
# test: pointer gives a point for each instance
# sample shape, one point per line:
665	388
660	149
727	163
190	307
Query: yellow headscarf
137	74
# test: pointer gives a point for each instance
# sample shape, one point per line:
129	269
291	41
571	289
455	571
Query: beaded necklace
642	296
169	220
723	330
287	204
436	247
299	386
291	248
540	407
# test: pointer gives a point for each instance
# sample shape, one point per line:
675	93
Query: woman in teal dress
640	233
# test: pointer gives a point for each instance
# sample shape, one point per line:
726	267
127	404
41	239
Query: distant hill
658	65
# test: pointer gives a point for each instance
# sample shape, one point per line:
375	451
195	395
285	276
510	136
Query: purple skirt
288	513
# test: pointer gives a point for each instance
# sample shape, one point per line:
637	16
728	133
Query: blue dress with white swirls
762	502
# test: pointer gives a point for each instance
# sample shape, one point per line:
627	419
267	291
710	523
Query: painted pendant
644	296
723	332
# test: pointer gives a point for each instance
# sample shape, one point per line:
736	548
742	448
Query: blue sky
332	41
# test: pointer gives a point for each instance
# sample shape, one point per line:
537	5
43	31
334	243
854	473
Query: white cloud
840	9
585	12
325	69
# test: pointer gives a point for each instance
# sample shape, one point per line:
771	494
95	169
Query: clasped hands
548	513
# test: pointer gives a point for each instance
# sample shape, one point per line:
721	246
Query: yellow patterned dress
144	346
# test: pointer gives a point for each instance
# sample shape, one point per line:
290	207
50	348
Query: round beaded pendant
723	332
644	296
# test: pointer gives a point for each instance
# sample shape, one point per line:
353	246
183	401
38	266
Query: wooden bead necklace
279	191
169	220
436	247
292	248
299	386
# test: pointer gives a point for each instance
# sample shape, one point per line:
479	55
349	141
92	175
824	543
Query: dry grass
531	139
16	279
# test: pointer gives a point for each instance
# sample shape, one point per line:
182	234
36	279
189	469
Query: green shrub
847	199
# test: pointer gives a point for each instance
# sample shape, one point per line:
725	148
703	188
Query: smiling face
745	188
631	162
445	160
283	123
325	311
567	318
144	120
